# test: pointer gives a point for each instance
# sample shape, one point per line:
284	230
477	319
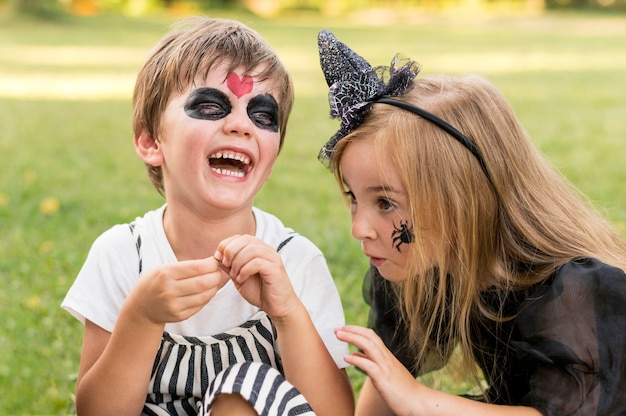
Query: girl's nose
361	229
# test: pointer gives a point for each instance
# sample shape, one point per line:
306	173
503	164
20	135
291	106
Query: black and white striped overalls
189	372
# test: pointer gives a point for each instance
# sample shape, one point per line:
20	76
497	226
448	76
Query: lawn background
68	169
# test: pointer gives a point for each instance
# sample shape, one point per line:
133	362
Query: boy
177	304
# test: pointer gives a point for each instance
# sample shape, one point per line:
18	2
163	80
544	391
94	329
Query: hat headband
354	85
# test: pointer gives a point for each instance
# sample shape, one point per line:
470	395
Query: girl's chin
392	276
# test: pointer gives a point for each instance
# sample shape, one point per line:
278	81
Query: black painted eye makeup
263	111
207	104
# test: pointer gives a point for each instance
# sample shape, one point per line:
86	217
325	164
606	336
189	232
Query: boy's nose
238	123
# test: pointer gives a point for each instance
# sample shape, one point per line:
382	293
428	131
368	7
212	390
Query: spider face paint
263	111
239	86
207	104
402	234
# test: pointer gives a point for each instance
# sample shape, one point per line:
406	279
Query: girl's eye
352	200
385	205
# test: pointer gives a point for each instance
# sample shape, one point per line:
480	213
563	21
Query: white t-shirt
112	269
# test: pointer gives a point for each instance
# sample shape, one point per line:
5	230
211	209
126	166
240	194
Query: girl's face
379	207
219	141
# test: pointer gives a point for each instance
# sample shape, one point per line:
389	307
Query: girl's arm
259	274
431	402
401	392
115	368
370	403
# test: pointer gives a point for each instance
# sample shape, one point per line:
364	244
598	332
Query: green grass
66	138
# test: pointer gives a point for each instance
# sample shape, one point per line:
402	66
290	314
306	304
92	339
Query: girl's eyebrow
382	188
376	188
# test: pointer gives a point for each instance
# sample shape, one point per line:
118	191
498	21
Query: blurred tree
268	8
45	9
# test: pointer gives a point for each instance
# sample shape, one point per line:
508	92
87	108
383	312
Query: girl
474	241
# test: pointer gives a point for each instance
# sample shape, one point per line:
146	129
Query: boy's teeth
231	155
238	174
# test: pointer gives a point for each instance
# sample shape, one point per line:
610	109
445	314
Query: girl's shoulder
583	286
584	275
569	335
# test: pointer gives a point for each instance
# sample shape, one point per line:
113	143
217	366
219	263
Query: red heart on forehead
239	86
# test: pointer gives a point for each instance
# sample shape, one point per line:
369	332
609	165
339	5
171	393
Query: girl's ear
148	148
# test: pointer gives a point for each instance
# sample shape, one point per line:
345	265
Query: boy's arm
115	368
309	366
258	273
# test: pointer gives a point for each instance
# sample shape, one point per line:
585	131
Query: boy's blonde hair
190	51
507	235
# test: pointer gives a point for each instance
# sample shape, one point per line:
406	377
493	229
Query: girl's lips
376	261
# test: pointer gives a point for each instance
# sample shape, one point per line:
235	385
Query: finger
362	338
199	284
227	247
190	268
362	362
225	277
258	261
241	271
195	301
249	257
357	329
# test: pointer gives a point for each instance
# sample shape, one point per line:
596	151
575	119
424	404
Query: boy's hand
258	273
174	292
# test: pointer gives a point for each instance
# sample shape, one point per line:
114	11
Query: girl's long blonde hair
502	236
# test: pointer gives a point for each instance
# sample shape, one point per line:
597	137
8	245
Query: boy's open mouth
230	163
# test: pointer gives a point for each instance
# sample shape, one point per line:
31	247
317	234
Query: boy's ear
148	149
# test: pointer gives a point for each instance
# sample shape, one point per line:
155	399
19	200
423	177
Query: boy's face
219	140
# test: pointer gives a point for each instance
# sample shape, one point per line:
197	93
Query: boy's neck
194	237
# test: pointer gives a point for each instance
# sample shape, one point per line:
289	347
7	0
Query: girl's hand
258	273
392	380
175	292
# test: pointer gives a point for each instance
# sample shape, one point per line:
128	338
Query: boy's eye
263	120
263	111
210	110
207	104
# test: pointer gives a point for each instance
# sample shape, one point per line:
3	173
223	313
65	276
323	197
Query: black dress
564	354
